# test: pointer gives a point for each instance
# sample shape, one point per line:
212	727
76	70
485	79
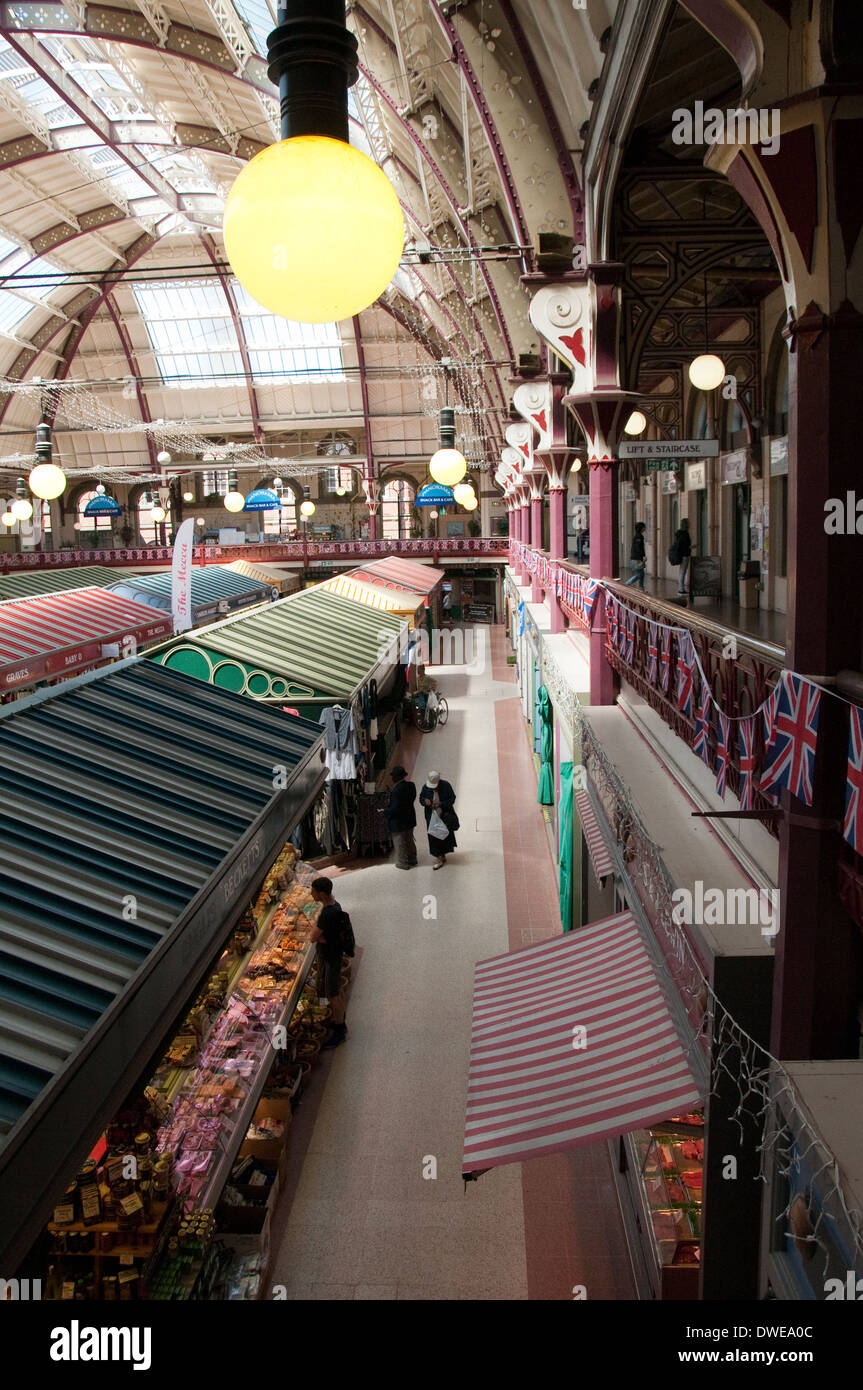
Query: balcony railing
278	552
740	670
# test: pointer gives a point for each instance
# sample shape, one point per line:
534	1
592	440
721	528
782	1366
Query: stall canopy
572	1042
423	579
51	635
28	582
597	848
376	591
283	580
137	821
215	589
314	646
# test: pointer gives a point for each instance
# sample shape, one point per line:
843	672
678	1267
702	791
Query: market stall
286	581
49	636
28	582
376	591
143	814
422	579
215	589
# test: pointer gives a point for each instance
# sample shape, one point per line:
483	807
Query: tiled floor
361	1217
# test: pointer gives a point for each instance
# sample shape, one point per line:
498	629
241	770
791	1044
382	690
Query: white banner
181	576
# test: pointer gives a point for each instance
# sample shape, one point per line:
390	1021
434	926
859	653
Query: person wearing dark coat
401	818
638	556
437	795
683	545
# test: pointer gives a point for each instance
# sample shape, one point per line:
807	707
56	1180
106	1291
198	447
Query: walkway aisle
359	1219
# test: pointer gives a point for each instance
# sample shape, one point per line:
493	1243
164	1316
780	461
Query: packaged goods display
176	1201
670	1158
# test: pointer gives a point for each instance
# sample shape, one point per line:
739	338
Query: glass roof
16	306
194	339
258	19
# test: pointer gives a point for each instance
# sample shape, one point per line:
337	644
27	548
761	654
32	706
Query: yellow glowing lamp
21	509
307	508
233	501
447	467
46	480
470	506
463	492
636	423
8	519
158	513
707	372
313	229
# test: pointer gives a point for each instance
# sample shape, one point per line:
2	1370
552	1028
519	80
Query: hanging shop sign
734	466
668	448
669	482
696	476
779	457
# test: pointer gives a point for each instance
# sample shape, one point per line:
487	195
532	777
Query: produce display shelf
242	1118
110	1227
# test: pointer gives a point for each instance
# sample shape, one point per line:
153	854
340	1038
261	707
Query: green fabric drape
565	845
545	791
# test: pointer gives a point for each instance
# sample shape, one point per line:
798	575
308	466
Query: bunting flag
685	673
702	724
747	762
790	757
723	752
769	712
611	618
853	826
590	589
652	652
629	649
665	657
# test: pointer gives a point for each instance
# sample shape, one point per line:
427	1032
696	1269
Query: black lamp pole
312	57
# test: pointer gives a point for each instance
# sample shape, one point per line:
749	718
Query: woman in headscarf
438	796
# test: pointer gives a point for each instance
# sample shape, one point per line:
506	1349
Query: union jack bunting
747	762
621	630
702	724
652	652
665	657
769	712
853	827
685	673
790	759
589	589
629	651
611	618
723	752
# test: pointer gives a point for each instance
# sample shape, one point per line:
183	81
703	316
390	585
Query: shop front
145	819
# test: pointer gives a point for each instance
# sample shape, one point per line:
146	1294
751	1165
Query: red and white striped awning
597	848
537	1083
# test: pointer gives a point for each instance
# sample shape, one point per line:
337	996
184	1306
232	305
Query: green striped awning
314	645
23	583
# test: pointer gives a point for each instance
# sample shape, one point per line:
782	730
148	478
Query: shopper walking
402	817
680	552
638	556
438	800
327	934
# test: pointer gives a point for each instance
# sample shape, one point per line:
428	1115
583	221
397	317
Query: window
283	521
25	281
46	518
340	477
91	523
215	481
194	337
398	496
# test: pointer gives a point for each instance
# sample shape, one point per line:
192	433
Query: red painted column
818	945
524	524
603	563
556	548
536	542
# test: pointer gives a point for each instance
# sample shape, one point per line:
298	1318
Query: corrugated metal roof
315	644
52	634
411	573
376	591
129	789
21	585
210	585
286	582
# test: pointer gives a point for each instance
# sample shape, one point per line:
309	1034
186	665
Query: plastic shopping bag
436	827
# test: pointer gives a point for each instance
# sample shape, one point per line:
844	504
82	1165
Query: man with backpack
333	937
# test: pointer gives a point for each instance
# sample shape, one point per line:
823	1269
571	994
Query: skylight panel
258	19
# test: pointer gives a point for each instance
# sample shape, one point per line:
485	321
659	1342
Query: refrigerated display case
664	1170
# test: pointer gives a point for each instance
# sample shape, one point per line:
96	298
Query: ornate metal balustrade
741	671
494	547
